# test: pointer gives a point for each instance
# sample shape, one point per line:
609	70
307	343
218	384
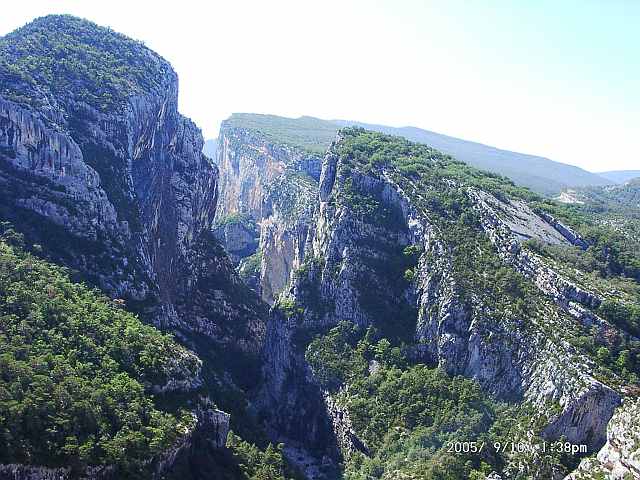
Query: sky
559	78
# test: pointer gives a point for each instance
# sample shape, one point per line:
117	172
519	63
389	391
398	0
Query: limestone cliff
103	175
384	253
271	185
123	195
619	458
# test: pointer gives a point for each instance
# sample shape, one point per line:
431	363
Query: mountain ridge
497	160
543	175
620	176
109	180
359	265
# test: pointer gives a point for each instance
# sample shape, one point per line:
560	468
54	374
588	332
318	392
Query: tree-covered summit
308	133
62	56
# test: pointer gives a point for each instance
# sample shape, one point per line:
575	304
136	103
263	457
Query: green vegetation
621	200
614	244
243	219
250	267
307	133
437	184
610	266
76	372
613	234
370	151
332	357
72	57
625	316
256	464
288	306
382	298
539	174
409	416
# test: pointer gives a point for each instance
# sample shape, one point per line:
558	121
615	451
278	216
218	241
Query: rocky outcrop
354	270
497	221
573	299
238	236
47	183
347	256
537	364
292	403
289	216
346	437
567	232
249	162
619	458
273	185
182	373
127	196
212	302
209	431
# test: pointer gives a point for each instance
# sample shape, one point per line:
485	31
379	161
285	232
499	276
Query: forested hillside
81	376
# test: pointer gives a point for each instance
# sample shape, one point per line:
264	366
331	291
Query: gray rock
619	458
272	185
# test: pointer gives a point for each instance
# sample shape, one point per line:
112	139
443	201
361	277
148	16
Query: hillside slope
85	384
620	176
540	174
418	304
623	200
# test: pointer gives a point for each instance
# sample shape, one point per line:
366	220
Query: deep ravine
353	269
362	300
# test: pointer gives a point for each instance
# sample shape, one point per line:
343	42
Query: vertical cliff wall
273	186
388	252
124	195
102	174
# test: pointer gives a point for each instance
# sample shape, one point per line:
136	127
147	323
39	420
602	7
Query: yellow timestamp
517	447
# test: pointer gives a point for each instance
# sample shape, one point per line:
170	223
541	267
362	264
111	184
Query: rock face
121	192
270	185
238	236
124	195
354	267
128	197
619	458
285	230
293	403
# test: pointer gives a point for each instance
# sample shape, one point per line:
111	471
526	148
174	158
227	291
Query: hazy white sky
554	78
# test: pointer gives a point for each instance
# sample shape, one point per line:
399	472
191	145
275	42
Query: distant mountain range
541	175
620	176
